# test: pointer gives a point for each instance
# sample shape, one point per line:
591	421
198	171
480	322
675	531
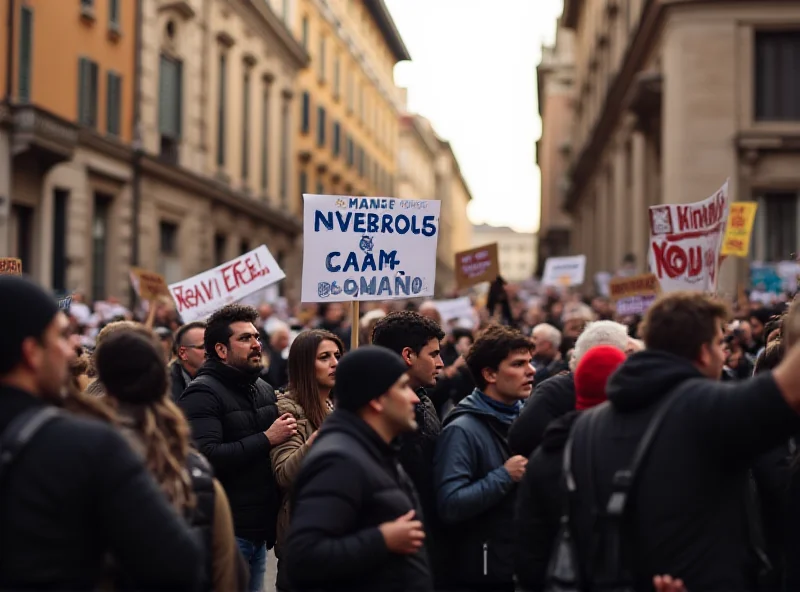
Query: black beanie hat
25	311
365	374
131	368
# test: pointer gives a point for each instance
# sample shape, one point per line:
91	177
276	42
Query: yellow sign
736	241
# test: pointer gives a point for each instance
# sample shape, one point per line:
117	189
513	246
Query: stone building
670	99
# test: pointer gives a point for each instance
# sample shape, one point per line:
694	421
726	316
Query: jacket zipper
485	559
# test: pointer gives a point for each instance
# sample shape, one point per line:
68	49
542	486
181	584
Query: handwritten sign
564	271
10	266
685	242
199	296
64	303
476	266
149	285
740	227
368	248
634	295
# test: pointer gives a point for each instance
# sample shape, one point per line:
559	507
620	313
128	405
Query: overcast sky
473	74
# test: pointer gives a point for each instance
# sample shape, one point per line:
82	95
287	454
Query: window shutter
113	104
169	97
25	54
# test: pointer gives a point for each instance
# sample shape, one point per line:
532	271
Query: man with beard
235	423
73	492
356	521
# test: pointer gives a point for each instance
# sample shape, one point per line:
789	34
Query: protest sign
199	296
634	295
148	285
454	308
10	266
366	248
564	271
476	266
740	227
685	242
64	303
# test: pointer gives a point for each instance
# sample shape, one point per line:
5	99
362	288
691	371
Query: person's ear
407	354
222	351
489	375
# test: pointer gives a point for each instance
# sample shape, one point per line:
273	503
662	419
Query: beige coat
286	459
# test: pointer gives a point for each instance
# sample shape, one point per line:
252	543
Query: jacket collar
228	374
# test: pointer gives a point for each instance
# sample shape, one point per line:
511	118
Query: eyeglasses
201	346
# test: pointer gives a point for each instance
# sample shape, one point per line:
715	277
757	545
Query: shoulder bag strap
21	431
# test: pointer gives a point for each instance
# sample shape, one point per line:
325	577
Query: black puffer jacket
177	380
550	400
540	504
229	411
349	484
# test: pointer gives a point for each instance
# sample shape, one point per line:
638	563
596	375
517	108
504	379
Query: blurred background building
669	100
517	256
175	135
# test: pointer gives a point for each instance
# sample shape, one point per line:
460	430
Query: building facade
556	92
218	112
516	251
348	105
455	229
158	146
419	148
671	99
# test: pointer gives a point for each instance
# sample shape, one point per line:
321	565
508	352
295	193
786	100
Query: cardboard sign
368	248
10	266
741	218
638	285
476	266
564	271
64	303
149	285
199	296
685	242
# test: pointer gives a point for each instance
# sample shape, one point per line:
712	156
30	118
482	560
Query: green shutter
87	92
113	104
25	54
113	15
170	81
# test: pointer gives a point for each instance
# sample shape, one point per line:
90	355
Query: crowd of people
540	443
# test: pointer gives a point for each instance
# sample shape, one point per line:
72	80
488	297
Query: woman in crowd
313	358
131	368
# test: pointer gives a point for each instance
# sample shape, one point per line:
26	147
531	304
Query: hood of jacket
557	433
474	404
647	376
344	421
228	375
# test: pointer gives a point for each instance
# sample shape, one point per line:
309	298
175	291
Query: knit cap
365	374
592	374
25	311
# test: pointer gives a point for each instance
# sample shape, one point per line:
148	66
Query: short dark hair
184	329
218	325
680	323
399	330
493	346
770	357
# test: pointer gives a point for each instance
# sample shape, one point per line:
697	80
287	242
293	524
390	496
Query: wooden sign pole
354	324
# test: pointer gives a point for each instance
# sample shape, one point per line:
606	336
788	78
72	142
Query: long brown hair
303	385
132	361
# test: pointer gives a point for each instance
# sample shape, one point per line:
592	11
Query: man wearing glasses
190	354
235	423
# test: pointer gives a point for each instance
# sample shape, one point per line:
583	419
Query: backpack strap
21	431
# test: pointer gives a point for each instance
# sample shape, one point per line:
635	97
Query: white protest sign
199	296
455	308
564	271
367	248
685	242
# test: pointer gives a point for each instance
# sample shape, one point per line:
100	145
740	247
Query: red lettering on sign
674	261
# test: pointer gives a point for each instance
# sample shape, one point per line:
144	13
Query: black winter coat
687	510
76	493
229	411
177	381
540	504
550	400
349	484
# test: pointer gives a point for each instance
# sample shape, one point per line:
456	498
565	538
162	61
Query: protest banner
564	271
199	296
10	266
362	248
685	242
634	295
149	285
739	229
454	308
476	266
